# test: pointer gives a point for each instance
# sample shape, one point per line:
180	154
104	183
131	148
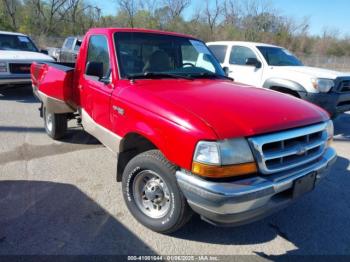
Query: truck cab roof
243	43
136	30
11	33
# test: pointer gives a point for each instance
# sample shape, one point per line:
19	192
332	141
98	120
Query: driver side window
240	54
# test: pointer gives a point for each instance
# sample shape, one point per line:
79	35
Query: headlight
3	67
322	85
330	131
223	158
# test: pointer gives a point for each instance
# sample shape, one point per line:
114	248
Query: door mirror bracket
107	78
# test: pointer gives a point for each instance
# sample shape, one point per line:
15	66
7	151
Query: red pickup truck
186	137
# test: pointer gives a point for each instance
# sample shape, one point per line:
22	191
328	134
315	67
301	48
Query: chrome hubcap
151	194
48	121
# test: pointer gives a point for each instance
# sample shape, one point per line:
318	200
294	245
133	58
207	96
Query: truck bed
54	81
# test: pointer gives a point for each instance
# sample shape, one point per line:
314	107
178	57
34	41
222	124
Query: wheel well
285	91
131	145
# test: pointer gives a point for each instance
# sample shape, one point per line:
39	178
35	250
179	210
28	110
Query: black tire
286	91
55	124
178	212
291	93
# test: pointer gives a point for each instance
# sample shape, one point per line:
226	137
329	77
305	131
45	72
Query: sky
322	14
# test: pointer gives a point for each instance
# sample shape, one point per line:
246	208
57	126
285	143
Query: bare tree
259	19
176	7
130	7
55	12
231	11
256	7
37	16
48	14
11	8
73	14
81	16
149	5
212	13
92	15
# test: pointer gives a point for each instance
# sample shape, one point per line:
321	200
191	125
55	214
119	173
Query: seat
159	61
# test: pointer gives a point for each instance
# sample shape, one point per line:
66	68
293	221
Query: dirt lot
62	198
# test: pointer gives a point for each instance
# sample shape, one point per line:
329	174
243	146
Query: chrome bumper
13	79
246	200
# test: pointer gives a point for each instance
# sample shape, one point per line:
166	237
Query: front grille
285	150
345	86
20	68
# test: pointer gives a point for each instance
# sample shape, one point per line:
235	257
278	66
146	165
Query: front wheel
55	124
152	195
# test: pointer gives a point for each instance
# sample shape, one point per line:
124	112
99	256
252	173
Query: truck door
239	68
97	92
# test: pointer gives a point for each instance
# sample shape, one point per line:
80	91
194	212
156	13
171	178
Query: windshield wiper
150	75
211	75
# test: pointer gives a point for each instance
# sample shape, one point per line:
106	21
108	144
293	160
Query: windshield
146	54
276	56
16	43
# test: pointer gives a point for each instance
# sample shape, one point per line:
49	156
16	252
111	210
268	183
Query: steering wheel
188	64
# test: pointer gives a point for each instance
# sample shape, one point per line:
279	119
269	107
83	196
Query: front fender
176	141
285	83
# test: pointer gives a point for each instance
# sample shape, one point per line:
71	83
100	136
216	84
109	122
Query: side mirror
43	51
94	69
253	62
226	70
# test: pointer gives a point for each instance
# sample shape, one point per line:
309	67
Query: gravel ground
62	198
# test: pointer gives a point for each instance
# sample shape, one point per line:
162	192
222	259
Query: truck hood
311	71
23	55
229	109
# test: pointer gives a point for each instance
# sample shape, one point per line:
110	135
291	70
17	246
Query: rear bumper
334	103
249	199
15	79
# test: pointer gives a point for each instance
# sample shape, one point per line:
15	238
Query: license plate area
304	184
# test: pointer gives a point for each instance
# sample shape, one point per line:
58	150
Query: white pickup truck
17	52
278	69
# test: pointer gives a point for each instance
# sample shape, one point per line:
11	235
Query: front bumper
333	102
15	79
249	199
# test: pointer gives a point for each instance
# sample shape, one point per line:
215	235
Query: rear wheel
152	195
55	124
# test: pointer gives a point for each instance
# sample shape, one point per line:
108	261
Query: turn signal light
223	171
